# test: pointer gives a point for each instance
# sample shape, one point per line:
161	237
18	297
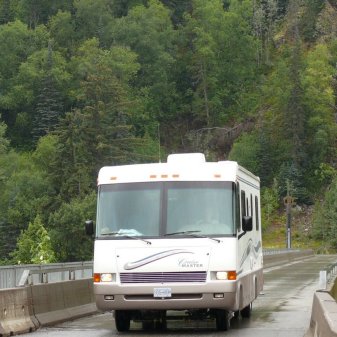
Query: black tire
222	320
122	320
246	311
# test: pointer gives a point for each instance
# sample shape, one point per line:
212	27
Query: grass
274	233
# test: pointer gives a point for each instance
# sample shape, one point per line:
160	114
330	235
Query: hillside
90	83
275	236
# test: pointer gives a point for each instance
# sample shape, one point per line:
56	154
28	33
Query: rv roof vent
186	158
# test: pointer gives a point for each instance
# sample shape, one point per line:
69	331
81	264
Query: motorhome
183	236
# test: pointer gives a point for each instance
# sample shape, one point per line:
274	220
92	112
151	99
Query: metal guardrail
331	271
16	275
279	251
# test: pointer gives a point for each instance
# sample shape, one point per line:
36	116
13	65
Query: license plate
162	292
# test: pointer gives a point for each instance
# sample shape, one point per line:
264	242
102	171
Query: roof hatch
186	158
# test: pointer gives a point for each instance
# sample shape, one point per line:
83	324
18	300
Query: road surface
283	309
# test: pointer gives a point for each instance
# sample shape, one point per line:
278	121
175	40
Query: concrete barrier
26	309
273	260
333	290
61	301
323	322
16	314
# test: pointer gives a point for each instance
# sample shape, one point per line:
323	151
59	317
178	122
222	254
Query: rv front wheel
222	320
122	320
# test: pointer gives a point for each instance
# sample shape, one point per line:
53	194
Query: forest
88	83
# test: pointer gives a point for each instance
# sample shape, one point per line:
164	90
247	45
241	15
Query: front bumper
140	297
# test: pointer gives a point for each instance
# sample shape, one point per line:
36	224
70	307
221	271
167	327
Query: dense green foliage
87	83
325	218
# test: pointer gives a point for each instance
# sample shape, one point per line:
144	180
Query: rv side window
243	206
251	206
257	213
238	211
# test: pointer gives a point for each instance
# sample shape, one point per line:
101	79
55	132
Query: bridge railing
279	251
18	275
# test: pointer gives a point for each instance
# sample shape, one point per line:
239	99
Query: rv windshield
172	208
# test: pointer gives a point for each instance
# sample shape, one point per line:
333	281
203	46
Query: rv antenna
159	152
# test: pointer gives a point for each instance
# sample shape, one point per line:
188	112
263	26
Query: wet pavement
282	310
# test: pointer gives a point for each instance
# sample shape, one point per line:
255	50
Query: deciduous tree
34	245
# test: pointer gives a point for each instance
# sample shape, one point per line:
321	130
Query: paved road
282	310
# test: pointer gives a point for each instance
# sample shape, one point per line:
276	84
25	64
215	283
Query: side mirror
89	227
247	223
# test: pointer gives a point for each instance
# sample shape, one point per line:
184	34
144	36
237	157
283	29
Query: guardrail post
322	279
24	278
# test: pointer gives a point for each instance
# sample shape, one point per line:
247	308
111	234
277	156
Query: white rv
182	235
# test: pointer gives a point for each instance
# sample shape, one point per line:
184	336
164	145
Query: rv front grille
167	277
173	297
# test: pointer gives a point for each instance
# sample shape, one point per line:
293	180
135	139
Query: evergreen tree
4	143
291	173
264	23
178	8
49	106
122	7
101	132
4	230
295	111
282	7
66	229
265	157
17	44
325	218
6	14
35	12
74	168
309	18
321	129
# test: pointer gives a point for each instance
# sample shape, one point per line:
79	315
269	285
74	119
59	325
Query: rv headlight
221	275
226	275
107	277
104	277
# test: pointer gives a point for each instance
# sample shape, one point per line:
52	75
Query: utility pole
289	201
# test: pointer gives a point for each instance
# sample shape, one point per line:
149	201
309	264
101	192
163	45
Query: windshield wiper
191	233
109	233
135	238
127	236
182	232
